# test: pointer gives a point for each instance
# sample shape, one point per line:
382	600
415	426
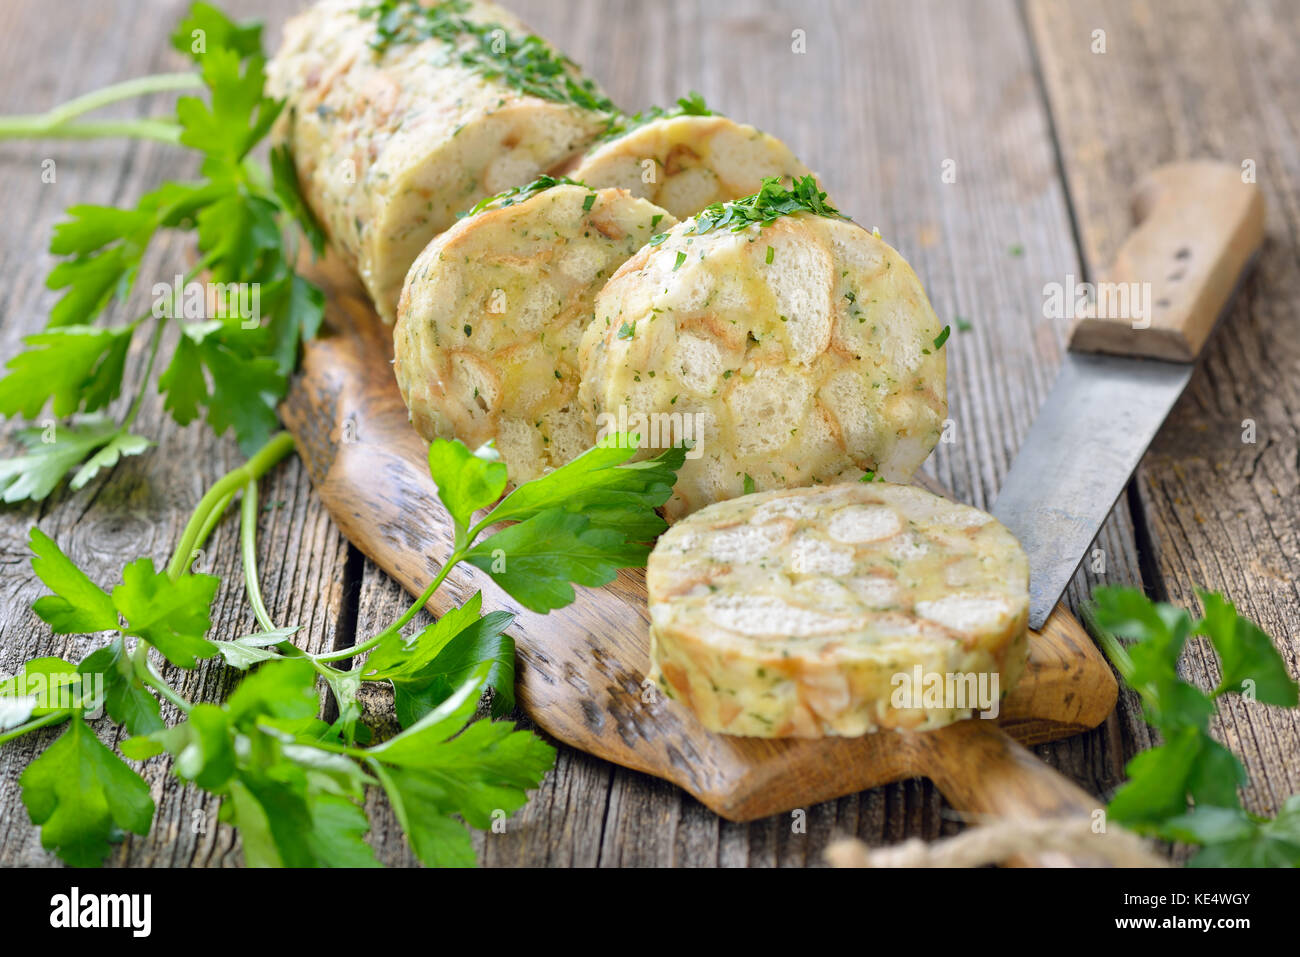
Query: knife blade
1200	226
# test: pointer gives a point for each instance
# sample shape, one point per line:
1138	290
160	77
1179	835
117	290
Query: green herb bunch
293	784
232	370
1187	787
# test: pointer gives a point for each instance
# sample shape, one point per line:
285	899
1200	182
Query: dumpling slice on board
810	612
490	319
687	161
798	351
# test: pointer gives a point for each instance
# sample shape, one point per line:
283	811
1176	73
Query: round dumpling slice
832	611
396	124
793	352
490	319
687	162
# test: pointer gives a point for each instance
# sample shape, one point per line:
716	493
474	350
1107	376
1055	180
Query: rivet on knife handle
1199	225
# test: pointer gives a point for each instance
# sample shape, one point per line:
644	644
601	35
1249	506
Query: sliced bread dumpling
837	611
687	162
793	352
488	328
400	119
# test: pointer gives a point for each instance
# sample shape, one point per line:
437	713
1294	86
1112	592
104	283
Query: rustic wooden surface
1045	138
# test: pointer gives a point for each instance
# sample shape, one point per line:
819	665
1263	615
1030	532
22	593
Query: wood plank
1220	512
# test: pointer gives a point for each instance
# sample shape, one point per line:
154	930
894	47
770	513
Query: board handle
984	773
1200	224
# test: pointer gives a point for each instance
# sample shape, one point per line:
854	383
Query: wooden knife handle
1199	226
984	772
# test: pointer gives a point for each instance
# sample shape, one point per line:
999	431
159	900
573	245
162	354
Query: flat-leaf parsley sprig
1187	787
230	369
293	784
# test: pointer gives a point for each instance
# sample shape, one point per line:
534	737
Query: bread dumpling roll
794	351
393	135
689	161
489	323
811	612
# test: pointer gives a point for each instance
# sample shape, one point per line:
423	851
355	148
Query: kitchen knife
1131	353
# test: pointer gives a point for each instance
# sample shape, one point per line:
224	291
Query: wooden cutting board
581	668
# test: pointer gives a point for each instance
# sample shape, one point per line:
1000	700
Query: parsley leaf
243	653
207	26
604	486
72	367
126	699
173	616
439	767
535	560
82	795
426	670
466	483
1246	654
1232	838
78	605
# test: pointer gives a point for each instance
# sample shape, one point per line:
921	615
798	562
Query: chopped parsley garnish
771	254
518	194
627	331
528	64
681	258
765	207
690	105
942	337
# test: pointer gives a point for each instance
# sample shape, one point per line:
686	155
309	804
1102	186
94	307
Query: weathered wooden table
992	142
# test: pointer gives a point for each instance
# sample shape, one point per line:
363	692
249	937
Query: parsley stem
54	717
219	495
402	622
248	551
34	127
144	668
144	379
56	122
248	554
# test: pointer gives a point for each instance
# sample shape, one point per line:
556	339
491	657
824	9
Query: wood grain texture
1205	81
884	95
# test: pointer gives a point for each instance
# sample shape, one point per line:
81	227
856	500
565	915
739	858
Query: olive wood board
581	668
